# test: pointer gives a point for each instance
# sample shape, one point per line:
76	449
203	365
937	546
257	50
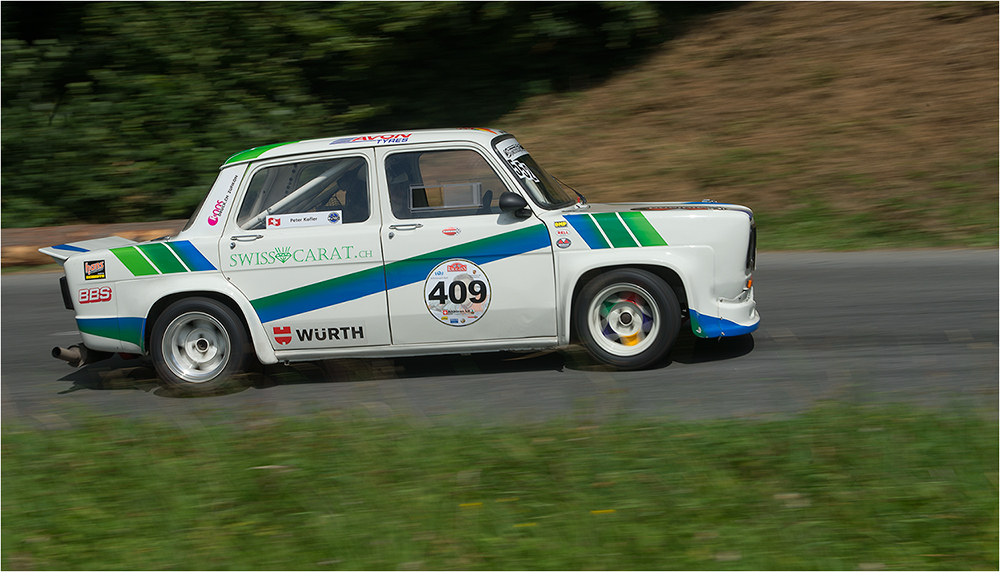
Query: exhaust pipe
78	355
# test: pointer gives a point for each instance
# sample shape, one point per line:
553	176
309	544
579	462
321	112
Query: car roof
385	138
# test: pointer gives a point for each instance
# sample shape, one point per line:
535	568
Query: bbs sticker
457	292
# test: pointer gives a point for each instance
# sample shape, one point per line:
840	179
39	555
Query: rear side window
336	187
427	184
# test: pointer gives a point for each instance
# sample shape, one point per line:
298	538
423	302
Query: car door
304	247
457	268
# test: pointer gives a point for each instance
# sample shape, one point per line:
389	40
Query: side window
427	184
287	195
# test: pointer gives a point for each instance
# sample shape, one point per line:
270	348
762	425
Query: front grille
752	248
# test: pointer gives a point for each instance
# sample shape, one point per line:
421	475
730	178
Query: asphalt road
857	327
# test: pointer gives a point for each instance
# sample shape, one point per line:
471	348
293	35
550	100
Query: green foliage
116	112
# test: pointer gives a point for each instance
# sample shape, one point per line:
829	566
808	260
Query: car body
407	243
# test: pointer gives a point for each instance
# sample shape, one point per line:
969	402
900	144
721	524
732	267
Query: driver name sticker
304	219
457	292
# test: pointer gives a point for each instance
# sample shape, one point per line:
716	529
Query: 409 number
458	292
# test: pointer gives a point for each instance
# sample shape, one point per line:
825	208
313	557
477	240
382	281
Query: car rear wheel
627	318
198	344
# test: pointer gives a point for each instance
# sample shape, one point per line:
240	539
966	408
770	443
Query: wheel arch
158	307
668	275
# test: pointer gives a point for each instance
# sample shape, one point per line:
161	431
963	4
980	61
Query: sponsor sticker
377	139
457	292
563	242
285	254
510	149
305	336
330	334
451	231
283	334
304	219
559	223
94	270
220	206
95	295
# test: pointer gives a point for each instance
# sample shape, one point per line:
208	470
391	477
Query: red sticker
283	335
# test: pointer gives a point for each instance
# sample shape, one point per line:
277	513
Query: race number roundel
457	292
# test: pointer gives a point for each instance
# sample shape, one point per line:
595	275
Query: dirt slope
877	114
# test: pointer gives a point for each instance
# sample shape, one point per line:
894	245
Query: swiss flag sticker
273	221
283	335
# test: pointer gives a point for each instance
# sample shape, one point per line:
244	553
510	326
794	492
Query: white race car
398	244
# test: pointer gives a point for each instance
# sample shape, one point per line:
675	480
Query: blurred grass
838	488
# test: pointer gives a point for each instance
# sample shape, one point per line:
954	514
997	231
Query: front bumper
735	317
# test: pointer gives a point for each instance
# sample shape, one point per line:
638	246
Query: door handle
246	237
410	226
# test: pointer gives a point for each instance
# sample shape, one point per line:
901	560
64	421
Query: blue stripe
396	274
712	327
68	247
131	329
191	256
479	252
319	295
586	227
122	328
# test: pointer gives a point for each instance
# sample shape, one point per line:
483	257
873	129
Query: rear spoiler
61	252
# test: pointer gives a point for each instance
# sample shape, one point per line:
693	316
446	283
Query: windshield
544	189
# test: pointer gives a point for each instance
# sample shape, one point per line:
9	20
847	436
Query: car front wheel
198	344
627	318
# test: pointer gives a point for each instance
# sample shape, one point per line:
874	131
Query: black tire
198	345
627	318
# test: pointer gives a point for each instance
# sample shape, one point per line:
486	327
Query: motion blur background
844	125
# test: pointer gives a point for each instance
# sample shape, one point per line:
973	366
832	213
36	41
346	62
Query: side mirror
514	203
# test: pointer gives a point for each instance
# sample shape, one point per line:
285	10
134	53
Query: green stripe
255	152
134	261
162	258
642	230
103	327
615	230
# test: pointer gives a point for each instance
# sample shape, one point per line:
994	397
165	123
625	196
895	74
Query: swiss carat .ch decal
457	292
285	254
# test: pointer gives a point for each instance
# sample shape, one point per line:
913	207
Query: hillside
844	125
